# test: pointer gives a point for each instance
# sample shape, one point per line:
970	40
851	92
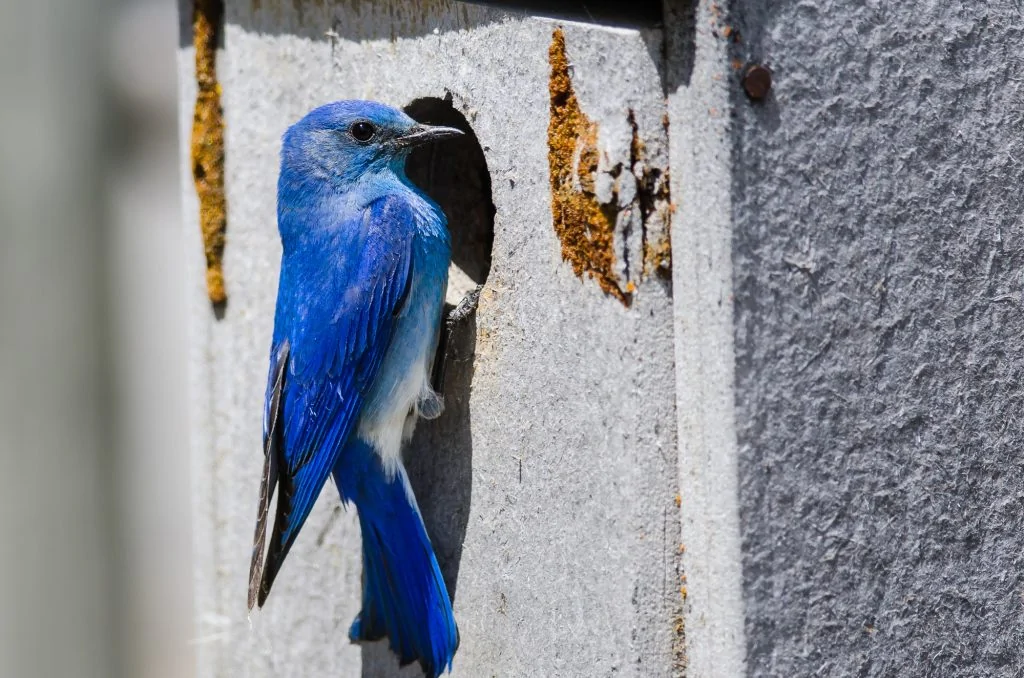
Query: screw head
757	82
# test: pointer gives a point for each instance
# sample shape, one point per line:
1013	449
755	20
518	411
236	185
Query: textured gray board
552	500
862	224
877	272
698	83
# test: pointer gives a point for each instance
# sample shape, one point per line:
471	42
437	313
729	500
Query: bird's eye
362	131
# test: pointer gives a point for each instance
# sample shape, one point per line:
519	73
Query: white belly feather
402	391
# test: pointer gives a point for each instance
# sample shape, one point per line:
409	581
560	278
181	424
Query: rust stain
208	144
584	226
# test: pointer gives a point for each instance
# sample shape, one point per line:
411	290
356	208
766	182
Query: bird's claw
465	308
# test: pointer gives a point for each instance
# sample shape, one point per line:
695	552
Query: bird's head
345	140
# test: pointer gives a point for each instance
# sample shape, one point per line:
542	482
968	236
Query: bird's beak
424	134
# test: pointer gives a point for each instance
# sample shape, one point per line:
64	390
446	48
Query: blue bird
364	271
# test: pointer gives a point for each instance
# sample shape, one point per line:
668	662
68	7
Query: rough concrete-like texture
877	255
551	492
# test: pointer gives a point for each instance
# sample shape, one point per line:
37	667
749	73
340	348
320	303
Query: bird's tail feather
404	595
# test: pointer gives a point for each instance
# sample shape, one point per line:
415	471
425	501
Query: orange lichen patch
679	636
679	644
658	254
584	226
208	145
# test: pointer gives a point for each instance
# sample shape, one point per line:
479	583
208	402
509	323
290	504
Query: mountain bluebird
363	276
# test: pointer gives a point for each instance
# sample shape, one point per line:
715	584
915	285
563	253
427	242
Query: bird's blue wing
337	304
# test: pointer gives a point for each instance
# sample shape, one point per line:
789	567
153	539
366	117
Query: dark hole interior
454	173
